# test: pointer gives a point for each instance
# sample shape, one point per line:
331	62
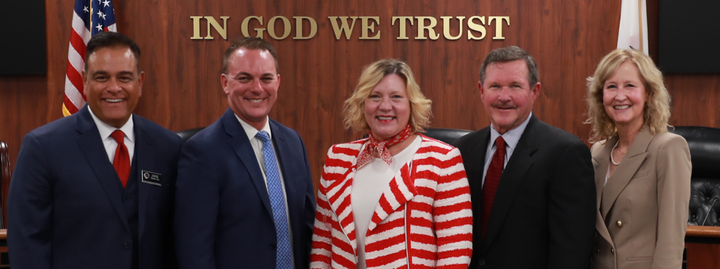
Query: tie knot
119	136
500	144
263	136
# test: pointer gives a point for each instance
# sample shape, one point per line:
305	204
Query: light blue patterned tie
283	258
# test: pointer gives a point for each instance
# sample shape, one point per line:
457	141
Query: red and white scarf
380	148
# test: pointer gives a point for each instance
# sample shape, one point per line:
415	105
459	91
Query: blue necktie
283	258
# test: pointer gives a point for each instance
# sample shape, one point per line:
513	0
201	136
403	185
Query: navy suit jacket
224	218
543	215
66	209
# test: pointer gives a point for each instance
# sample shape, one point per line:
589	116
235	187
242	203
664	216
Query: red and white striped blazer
423	218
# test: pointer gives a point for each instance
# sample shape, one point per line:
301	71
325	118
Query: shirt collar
105	129
251	131
511	137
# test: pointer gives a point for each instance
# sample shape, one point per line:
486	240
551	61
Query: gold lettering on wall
498	25
344	27
246	22
286	27
446	27
422	27
215	25
426	26
299	27
211	22
477	27
403	27
196	27
368	27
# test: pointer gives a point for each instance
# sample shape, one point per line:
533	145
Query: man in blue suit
245	197
96	189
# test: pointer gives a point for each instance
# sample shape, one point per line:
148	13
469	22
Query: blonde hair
656	113
354	108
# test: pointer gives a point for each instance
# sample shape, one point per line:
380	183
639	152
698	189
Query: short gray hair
509	54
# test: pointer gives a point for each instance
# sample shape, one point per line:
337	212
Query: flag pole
640	26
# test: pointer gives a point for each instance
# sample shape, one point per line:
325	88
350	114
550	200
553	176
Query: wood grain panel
58	28
703	256
182	87
22	107
22	99
318	74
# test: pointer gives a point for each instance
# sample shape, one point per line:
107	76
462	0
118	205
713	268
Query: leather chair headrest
444	134
704	144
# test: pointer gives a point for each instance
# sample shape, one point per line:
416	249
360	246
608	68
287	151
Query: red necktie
492	180
121	162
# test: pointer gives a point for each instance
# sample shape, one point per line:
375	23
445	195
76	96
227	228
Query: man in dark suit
245	197
532	184
95	189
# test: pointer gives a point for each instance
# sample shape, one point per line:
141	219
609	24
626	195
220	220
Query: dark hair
509	54
112	40
252	43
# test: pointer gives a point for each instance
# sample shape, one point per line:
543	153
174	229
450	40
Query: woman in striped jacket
396	199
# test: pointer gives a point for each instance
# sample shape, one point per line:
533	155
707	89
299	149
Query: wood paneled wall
182	87
20	98
694	96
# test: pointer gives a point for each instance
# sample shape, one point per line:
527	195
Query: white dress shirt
511	138
110	144
257	146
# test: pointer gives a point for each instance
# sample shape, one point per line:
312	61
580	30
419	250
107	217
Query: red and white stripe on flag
89	18
633	26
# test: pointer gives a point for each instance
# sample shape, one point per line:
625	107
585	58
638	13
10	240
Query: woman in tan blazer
642	172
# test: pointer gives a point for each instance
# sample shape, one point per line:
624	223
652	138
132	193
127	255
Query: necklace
612	152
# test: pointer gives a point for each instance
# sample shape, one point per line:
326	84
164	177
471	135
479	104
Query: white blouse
368	185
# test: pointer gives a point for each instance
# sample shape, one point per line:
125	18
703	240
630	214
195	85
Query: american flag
89	18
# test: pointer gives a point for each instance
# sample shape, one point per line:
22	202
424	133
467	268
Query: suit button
126	245
273	245
619	223
127	197
482	262
597	250
612	250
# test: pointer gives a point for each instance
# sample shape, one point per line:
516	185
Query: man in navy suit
245	197
96	189
532	185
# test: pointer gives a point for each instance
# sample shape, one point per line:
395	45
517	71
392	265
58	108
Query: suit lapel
289	161
474	160
510	181
626	170
512	177
476	156
92	147
240	143
601	161
145	156
400	190
339	190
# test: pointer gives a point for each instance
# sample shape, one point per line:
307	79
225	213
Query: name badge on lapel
151	178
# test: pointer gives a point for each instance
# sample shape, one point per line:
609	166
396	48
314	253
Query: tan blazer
642	211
